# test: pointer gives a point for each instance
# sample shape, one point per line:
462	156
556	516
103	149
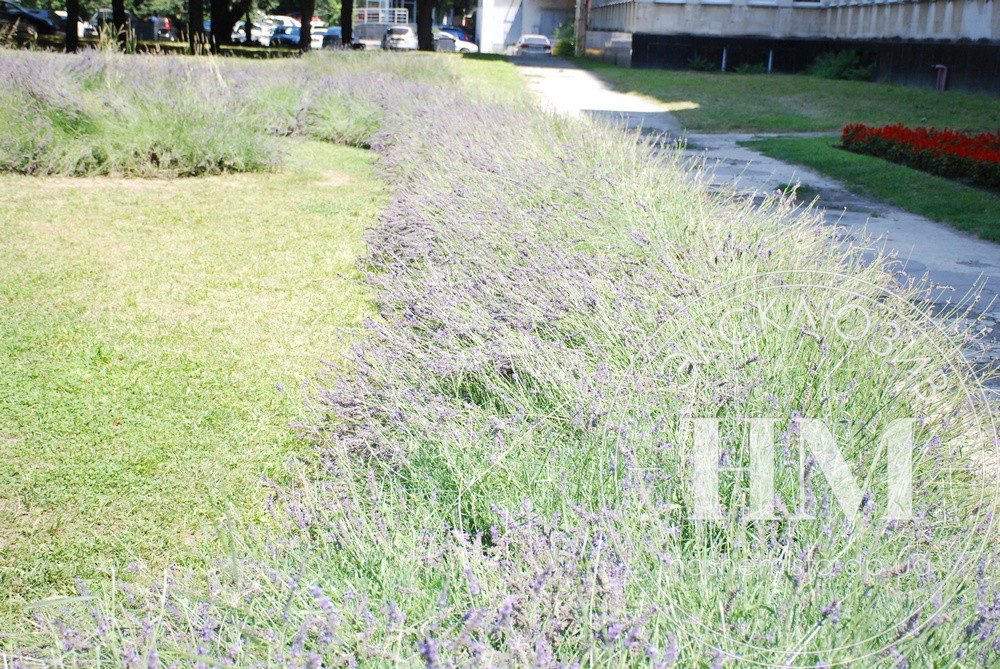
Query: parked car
103	19
262	28
281	20
461	32
81	26
24	22
156	29
399	38
368	36
260	34
152	29
52	17
288	36
445	41
533	45
285	36
332	38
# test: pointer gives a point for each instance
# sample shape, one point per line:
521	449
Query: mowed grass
155	336
491	76
967	208
717	102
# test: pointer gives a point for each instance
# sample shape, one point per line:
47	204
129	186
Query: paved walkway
948	256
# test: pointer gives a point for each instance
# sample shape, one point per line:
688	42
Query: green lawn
717	102
965	207
491	76
155	335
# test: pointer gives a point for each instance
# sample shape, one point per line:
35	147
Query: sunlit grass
966	207
717	102
155	334
507	464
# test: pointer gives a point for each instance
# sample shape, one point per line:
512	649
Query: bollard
942	76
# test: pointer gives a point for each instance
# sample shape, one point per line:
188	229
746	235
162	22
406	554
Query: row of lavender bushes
503	471
105	113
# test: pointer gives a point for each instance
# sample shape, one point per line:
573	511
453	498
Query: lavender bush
504	470
104	113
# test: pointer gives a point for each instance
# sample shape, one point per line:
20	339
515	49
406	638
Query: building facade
908	40
499	23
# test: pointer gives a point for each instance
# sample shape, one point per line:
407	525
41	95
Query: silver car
533	45
399	37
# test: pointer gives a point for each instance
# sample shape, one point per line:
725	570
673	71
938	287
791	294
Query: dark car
58	22
152	29
460	32
286	36
22	21
103	21
332	38
156	29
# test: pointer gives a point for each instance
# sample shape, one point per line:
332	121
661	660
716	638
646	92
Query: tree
72	20
120	21
224	16
456	9
305	32
329	10
425	25
196	24
346	22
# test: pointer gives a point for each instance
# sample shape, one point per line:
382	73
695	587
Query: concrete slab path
947	256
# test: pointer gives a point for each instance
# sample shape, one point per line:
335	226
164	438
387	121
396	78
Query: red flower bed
949	153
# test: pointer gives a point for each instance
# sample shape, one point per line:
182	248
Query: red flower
947	152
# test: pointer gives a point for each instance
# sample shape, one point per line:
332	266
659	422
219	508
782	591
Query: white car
533	45
258	33
399	37
450	42
263	28
81	26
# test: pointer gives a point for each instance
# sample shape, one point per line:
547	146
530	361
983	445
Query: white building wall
849	19
500	23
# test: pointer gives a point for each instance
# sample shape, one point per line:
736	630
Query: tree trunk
120	21
216	14
196	25
346	22
224	17
247	28
72	22
425	24
307	8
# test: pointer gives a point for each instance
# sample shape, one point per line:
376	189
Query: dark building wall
972	66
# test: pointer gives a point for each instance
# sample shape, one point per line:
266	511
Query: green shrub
565	40
104	113
842	65
751	68
700	64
